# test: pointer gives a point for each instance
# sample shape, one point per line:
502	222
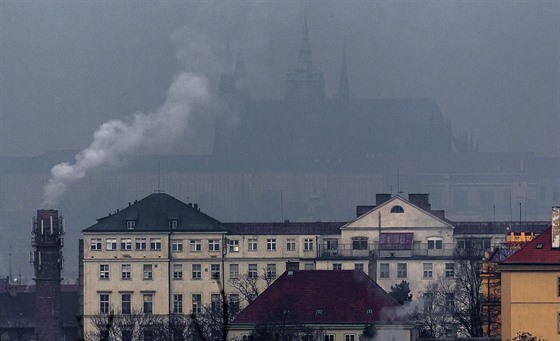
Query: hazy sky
68	66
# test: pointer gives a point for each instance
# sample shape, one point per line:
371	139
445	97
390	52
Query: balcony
418	250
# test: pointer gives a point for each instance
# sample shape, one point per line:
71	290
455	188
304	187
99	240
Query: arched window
397	209
435	243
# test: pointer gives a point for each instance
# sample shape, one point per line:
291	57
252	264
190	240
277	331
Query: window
271	271
111	244
215	270
155	244
331	244
309	266
104	303
196	303
126	335
397	209
148	335
177	271
234	303
252	271
359	266
349	337
271	244
402	270
337	266
96	244
215	302
196	245
126	307
359	243
177	303
290	244
435	243
308	244
130	224
428	299
140	243
196	271
428	270
148	303
177	245
148	274
449	302
126	271
233	245
384	270
329	337
172	224
213	245
234	271
252	244
103	271
126	244
449	270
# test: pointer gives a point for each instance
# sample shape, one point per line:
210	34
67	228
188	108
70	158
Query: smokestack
47	241
556	227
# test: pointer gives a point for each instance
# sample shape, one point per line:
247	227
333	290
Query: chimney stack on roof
381	198
421	200
555	228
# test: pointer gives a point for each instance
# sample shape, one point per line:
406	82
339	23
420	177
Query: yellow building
530	280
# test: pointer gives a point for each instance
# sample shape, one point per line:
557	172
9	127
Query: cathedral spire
343	86
305	56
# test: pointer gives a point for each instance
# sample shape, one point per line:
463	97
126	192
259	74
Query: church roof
154	213
320	296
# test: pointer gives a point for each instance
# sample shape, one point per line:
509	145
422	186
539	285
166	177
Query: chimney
361	210
421	200
556	227
381	198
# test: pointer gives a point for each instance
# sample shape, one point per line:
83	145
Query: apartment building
162	256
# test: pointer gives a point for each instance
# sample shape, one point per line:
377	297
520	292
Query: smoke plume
115	139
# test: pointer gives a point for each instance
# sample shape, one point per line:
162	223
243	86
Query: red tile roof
538	251
320	296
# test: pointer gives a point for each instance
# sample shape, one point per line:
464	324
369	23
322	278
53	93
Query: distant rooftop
539	251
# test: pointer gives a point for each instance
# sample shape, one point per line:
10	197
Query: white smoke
115	139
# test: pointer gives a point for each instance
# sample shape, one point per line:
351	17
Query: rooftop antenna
399	192
159	190
10	265
281	206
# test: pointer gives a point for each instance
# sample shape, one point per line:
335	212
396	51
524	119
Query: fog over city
73	73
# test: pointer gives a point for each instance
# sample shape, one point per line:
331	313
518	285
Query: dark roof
499	227
284	228
343	296
17	306
539	251
153	213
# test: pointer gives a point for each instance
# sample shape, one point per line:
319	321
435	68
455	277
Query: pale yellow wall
530	303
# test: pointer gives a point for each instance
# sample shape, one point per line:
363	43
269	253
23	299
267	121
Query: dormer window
319	312
369	311
173	224
130	224
397	209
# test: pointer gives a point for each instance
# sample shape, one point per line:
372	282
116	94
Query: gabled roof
539	251
423	218
153	213
319	296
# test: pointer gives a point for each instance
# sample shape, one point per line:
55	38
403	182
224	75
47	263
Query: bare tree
468	291
248	285
436	312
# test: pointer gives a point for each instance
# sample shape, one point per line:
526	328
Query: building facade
162	256
530	286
